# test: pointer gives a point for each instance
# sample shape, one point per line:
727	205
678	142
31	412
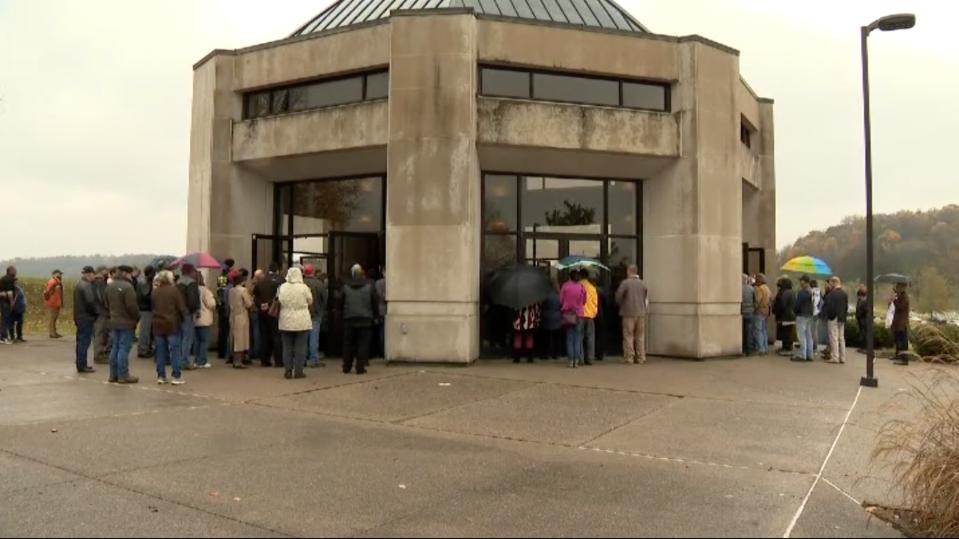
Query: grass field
35	321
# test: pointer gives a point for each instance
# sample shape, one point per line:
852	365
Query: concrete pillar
433	191
227	204
693	216
767	193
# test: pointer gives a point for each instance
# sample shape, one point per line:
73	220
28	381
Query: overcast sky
95	112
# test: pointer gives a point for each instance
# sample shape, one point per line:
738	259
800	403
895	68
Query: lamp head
899	21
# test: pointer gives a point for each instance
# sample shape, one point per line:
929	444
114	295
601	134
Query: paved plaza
725	448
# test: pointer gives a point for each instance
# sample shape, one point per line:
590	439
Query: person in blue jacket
19	311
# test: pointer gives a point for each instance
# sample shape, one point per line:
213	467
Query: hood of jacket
294	276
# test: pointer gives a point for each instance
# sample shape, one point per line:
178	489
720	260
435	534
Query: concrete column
227	204
693	216
767	194
433	191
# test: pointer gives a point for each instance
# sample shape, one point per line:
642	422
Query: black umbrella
518	286
893	278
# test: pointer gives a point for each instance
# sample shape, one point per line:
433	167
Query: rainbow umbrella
807	264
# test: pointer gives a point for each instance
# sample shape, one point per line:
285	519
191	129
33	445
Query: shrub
921	446
882	336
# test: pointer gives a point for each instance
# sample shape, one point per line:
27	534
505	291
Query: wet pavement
754	447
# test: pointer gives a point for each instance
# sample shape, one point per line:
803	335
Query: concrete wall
312	57
433	191
512	122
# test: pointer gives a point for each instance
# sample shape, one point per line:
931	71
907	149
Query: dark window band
316	95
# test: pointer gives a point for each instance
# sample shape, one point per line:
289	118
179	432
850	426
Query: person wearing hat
86	310
101	328
121	304
318	289
53	298
189	287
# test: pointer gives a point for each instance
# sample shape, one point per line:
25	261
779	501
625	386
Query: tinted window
644	96
258	104
500	203
378	86
561	205
339	92
280	102
622	207
503	83
575	89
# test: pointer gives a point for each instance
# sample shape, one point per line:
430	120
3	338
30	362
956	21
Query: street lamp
889	23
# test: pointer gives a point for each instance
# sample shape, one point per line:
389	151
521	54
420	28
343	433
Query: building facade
442	140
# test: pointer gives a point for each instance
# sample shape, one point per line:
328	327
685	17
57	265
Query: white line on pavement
795	520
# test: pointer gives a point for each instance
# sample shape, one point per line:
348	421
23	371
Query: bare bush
922	445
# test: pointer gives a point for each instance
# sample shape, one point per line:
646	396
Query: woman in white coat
296	322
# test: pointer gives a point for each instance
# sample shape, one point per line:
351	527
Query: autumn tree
933	292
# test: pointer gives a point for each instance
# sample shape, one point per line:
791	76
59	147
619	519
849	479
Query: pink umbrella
197	260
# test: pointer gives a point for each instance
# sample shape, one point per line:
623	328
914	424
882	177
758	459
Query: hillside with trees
921	244
71	265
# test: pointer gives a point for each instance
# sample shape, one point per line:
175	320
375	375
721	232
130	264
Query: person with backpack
53	299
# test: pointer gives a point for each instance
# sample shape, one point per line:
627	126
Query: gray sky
95	117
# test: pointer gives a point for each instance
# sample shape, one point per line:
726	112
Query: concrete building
444	138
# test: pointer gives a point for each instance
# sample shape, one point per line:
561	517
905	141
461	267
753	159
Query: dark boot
239	360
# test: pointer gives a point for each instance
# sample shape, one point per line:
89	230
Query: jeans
760	333
188	335
294	350
805	325
120	354
748	345
588	340
574	336
169	347
314	343
146	333
18	325
202	344
6	321
84	339
254	336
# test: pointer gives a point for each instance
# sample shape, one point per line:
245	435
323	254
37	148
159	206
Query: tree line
72	265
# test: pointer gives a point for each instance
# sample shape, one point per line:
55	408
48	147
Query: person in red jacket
53	298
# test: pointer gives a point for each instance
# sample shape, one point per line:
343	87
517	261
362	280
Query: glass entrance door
346	250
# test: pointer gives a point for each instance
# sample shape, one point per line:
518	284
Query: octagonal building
442	139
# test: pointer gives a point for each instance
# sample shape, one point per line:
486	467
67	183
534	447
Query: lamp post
889	23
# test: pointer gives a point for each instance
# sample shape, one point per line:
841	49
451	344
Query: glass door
346	250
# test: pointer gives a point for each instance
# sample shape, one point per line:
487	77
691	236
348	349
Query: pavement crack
629	422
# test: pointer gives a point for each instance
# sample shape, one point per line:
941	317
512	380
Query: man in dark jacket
359	309
900	325
101	328
785	316
836	308
862	306
145	303
319	308
124	312
804	310
8	292
271	349
189	288
85	312
223	309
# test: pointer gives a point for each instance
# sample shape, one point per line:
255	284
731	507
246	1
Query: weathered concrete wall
749	165
693	216
767	166
573	127
433	194
748	103
325	130
573	50
311	58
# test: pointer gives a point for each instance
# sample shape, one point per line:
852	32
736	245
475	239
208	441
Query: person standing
19	313
121	304
525	323
271	349
633	300
53	298
85	313
748	310
7	296
101	329
189	287
223	310
900	324
240	303
145	303
572	301
783	306
804	320
204	324
550	324
761	318
317	310
295	322
836	308
359	304
590	310
862	307
169	310
254	314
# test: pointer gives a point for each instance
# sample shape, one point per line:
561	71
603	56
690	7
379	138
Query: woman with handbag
295	299
572	301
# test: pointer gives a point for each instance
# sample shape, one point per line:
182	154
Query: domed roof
606	14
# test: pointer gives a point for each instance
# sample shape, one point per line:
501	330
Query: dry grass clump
937	344
922	445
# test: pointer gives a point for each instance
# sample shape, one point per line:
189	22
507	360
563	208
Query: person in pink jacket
572	301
